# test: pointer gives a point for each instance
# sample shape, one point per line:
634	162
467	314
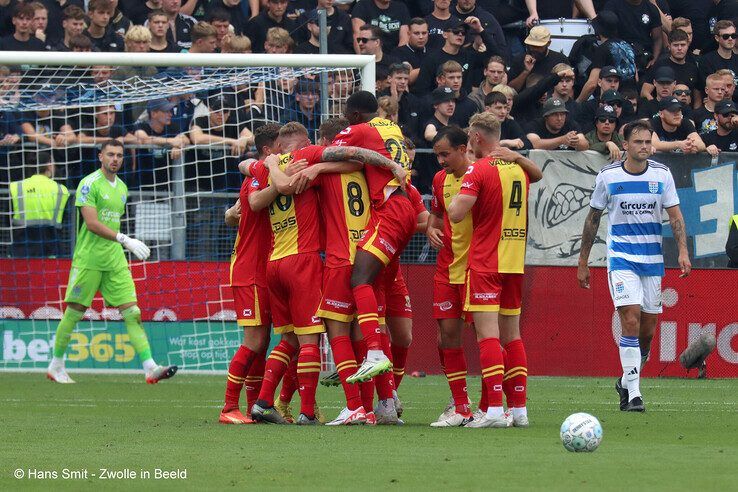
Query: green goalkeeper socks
132	319
64	330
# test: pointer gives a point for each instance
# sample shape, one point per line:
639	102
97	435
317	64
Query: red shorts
487	292
252	305
390	228
338	298
448	300
294	293
397	297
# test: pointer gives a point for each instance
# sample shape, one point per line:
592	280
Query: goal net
186	121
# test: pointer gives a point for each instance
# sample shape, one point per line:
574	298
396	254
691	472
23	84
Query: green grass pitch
687	439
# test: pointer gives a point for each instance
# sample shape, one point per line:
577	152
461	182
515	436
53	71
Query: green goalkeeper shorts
117	286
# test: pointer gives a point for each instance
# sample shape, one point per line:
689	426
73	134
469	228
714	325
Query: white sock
375	355
57	362
630	360
495	412
149	365
519	412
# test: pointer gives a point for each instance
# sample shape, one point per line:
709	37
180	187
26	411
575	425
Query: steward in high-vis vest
731	246
38	208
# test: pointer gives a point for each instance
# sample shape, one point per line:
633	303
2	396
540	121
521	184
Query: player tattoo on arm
679	231
591	225
366	157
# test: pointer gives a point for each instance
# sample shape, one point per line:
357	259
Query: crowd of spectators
438	62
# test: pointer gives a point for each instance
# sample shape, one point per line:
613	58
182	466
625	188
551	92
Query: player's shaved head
331	127
361	107
293	136
265	136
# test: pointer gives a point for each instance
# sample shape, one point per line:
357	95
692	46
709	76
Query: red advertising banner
567	330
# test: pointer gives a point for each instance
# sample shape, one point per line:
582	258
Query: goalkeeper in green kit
100	264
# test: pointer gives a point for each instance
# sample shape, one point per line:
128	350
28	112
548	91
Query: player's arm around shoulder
529	167
462	203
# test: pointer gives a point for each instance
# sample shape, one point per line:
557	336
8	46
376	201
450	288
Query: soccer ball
581	432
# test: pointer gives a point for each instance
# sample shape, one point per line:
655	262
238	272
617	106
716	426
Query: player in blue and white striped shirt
635	193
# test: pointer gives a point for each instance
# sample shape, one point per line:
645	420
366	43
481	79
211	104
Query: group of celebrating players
350	198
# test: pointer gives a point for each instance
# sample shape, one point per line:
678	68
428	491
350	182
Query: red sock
237	371
254	379
276	365
456	376
308	372
366	307
399	357
343	355
289	382
515	383
385	383
365	389
490	358
440	357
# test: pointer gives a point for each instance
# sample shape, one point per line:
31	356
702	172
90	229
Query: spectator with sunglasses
370	43
723	57
704	117
684	94
685	70
664	79
724	138
604	138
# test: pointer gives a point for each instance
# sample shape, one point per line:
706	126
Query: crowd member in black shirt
306	107
470	59
704	117
118	21
416	48
685	71
494	40
219	11
40	24
22	38
609	81
664	79
537	59
56	8
439	20
138	11
408	105
557	9
495	73
7	7
221	22
555	130
640	25
158	23
273	16
223	141
444	104
723	57
724	138
511	134
99	31
606	29
180	25
74	24
312	45
672	132
370	43
451	75
340	31
390	16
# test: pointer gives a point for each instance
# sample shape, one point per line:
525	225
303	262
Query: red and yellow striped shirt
294	218
452	259
500	215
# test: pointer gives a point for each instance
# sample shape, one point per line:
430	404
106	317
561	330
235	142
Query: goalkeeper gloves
139	249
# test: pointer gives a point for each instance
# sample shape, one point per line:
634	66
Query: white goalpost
186	120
